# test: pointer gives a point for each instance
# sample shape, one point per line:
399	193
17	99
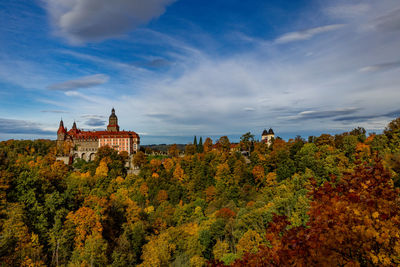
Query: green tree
246	141
200	148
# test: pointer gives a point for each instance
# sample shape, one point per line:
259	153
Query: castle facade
268	136
86	143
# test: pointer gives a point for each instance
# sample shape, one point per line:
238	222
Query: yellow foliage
249	242
220	249
168	164
179	174
87	223
157	252
119	180
144	189
102	169
190	228
197	261
162	196
155	163
85	175
270	180
149	209
132	211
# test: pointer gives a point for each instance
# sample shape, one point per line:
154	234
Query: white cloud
381	67
316	86
93	20
306	34
348	10
83	82
12	126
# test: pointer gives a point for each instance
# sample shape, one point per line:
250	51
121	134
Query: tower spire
113	122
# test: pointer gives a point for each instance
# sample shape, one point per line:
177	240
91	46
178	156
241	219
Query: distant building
267	136
86	143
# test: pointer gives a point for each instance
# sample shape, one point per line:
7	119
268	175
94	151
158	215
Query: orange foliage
258	173
225	213
168	164
87	223
144	189
210	193
355	222
162	196
179	174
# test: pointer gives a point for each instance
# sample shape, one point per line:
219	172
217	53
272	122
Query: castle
267	136
86	143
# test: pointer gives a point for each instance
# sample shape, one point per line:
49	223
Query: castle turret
61	132
61	135
113	122
267	136
74	126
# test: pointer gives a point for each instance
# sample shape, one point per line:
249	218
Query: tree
249	242
259	173
220	249
246	141
224	144
392	132
102	170
325	139
190	149
359	132
173	150
18	247
162	196
195	141
139	159
158	251
179	174
353	222
207	147
200	147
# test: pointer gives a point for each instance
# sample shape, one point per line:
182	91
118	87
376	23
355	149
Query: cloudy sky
177	68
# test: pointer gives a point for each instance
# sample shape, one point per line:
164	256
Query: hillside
327	201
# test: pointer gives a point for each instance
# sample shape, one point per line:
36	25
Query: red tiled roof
74	131
61	130
104	134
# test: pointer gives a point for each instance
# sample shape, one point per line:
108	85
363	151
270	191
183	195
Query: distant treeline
148	149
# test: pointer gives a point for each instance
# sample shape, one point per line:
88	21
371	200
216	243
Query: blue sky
174	69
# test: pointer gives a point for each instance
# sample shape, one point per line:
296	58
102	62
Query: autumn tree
224	144
353	222
139	159
18	246
173	150
392	132
190	149
207	147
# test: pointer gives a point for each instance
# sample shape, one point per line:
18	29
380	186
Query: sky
173	69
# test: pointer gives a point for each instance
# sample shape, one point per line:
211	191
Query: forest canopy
331	200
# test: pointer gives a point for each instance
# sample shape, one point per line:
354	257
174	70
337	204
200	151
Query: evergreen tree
200	145
195	141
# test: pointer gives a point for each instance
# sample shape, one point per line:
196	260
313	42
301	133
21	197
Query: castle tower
113	122
61	132
61	135
74	126
267	136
